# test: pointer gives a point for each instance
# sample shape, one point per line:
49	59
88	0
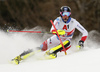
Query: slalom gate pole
58	37
28	31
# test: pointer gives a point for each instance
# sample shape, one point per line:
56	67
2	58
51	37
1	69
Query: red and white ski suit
69	28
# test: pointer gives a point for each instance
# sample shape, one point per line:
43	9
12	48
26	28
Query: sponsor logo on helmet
65	9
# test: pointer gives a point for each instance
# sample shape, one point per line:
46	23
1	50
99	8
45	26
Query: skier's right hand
60	32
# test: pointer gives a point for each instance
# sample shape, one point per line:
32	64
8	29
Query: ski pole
58	36
29	31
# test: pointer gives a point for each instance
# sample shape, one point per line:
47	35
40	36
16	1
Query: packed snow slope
12	44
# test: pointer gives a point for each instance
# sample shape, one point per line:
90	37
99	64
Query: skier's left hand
81	44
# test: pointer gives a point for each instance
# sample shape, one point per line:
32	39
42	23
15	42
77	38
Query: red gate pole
58	37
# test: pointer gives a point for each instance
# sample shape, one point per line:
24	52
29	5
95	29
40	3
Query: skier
65	26
63	23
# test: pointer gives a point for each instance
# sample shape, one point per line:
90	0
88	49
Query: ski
23	56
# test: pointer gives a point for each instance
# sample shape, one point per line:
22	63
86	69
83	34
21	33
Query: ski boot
49	55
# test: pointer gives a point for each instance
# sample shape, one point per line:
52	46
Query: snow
12	44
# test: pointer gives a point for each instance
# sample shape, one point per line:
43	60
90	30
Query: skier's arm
84	34
60	32
55	23
83	31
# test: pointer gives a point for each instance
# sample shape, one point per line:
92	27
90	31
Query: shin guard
59	47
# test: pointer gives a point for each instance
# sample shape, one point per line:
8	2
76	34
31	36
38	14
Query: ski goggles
66	13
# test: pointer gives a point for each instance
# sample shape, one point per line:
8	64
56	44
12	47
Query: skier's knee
66	43
66	48
59	47
43	46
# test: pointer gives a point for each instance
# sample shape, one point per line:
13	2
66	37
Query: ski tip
13	62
